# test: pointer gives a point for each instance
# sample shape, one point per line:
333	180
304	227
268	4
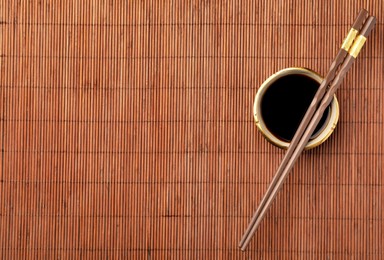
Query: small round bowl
325	131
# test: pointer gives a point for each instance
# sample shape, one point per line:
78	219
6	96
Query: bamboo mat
127	131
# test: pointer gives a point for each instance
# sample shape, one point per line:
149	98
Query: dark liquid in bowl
285	102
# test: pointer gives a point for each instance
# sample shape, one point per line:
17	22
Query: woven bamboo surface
127	131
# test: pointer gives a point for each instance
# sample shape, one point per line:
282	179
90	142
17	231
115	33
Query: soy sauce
285	102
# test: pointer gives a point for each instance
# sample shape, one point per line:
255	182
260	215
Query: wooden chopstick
359	21
284	169
354	51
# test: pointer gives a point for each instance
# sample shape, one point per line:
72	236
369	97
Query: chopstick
309	123
359	21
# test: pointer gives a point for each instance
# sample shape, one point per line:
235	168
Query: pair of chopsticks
347	54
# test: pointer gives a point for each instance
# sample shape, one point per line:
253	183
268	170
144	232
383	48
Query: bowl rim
323	134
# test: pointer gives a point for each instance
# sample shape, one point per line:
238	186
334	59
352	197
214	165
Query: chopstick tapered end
242	244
